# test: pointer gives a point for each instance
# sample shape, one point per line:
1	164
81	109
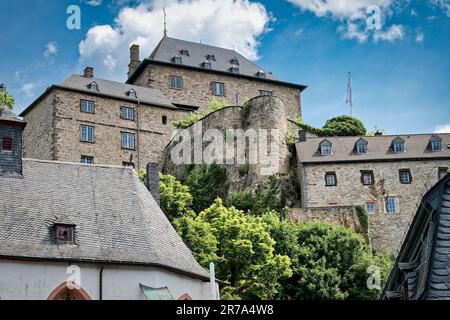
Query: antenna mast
165	20
349	93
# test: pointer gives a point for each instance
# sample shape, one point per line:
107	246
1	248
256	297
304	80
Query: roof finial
349	93
165	20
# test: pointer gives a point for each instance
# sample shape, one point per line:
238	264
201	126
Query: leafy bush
176	199
6	99
344	126
214	105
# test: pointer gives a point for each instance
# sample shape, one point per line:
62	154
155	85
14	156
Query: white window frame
374	208
333	180
367	174
408	174
361	148
87	160
265	93
402	147
218	89
87	106
325	150
128	140
87	133
395	203
127	113
434	144
176	82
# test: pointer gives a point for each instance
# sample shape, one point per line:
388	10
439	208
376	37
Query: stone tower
11	128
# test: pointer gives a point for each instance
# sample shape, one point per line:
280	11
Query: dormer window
398	145
435	144
65	233
325	148
234	61
132	94
177	60
361	146
234	69
93	86
211	57
206	64
184	52
261	74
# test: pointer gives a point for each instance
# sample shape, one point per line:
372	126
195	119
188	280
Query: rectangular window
87	106
391	204
127	113
128	141
7	144
367	178
436	146
218	89
399	147
405	176
361	148
65	233
176	82
87	160
164	120
370	207
265	93
87	133
325	150
330	179
442	173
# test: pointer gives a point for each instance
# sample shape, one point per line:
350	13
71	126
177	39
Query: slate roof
168	48
422	268
379	148
116	218
7	115
110	89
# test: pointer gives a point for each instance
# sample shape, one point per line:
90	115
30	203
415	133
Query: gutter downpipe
100	284
138	136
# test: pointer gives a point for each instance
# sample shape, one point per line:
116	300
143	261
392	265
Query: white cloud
93	3
444	5
395	32
353	16
224	23
51	49
442	129
420	37
28	89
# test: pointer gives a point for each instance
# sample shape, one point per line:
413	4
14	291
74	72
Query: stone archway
63	292
185	297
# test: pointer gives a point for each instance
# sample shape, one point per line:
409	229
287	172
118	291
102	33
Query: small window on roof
398	145
325	148
211	57
177	60
93	86
132	93
206	64
234	69
435	144
184	52
65	233
361	146
234	61
261	74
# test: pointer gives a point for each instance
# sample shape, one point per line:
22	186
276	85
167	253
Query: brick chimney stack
134	59
89	72
153	180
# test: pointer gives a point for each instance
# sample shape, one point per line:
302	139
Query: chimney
153	180
134	59
302	135
88	72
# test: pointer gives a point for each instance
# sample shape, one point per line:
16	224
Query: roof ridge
77	164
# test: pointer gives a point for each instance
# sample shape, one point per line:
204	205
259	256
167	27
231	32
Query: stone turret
11	128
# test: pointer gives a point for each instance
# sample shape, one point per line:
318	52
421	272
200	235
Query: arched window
234	61
132	93
398	145
210	57
361	146
325	148
66	292
185	297
93	86
261	74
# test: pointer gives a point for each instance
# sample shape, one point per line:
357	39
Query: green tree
214	105
206	184
6	99
344	126
176	199
246	259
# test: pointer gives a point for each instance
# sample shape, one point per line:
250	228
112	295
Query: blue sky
401	73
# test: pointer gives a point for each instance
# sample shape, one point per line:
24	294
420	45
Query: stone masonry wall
344	216
197	88
107	149
387	229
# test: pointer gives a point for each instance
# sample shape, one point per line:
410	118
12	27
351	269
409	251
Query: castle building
386	174
191	74
95	121
77	231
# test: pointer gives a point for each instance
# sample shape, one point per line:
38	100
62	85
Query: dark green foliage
363	218
344	126
214	105
206	184
243	169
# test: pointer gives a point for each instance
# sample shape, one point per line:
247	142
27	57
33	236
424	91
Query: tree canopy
344	126
6	99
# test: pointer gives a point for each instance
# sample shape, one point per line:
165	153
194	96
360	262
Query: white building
73	231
